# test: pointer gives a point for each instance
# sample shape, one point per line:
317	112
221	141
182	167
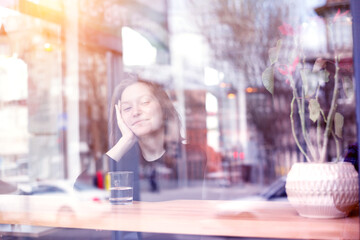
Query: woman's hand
127	139
124	129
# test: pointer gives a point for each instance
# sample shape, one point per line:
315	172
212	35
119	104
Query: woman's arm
120	148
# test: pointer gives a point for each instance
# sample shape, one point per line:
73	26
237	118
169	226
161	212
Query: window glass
234	81
47	190
31	99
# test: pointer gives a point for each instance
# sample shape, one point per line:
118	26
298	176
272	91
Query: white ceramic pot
323	190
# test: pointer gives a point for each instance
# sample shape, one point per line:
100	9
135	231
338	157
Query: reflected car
60	201
246	205
8	188
274	192
81	191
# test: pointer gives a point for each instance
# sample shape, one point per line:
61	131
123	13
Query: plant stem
337	146
318	129
318	135
293	129
331	113
302	121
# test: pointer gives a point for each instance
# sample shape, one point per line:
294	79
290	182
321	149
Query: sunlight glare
211	76
137	49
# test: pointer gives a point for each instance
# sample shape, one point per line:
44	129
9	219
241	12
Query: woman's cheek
126	120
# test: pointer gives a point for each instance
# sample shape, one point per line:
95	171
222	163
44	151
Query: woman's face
140	110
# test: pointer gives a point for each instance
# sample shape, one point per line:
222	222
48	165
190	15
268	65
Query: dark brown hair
170	115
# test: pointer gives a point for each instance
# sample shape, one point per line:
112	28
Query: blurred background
60	61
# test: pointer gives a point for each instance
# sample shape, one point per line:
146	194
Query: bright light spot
213	137
212	121
224	85
34	1
189	47
14	135
221	75
211	76
14	117
313	36
48	47
54	4
211	103
305	25
6	12
251	90
13	79
137	50
231	95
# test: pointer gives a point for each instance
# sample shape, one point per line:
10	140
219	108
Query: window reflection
56	86
30	100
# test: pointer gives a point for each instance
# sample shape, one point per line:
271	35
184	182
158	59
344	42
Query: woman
145	117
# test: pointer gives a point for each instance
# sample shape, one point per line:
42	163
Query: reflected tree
93	107
240	34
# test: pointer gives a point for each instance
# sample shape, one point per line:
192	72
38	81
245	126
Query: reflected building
70	56
240	41
35	88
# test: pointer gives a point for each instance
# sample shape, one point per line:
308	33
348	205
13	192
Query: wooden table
15	230
195	217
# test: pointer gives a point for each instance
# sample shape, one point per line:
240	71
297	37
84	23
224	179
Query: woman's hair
170	115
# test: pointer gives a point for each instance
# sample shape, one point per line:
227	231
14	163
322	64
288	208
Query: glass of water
121	187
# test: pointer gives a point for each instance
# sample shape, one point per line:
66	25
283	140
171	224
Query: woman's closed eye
126	108
145	101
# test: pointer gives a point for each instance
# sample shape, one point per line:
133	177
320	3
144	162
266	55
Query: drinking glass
121	187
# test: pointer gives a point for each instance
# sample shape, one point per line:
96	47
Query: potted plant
316	188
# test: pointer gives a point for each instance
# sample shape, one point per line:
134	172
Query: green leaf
326	76
268	79
339	123
314	109
274	52
319	64
348	87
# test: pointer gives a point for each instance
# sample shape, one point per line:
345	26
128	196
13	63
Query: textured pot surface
323	190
